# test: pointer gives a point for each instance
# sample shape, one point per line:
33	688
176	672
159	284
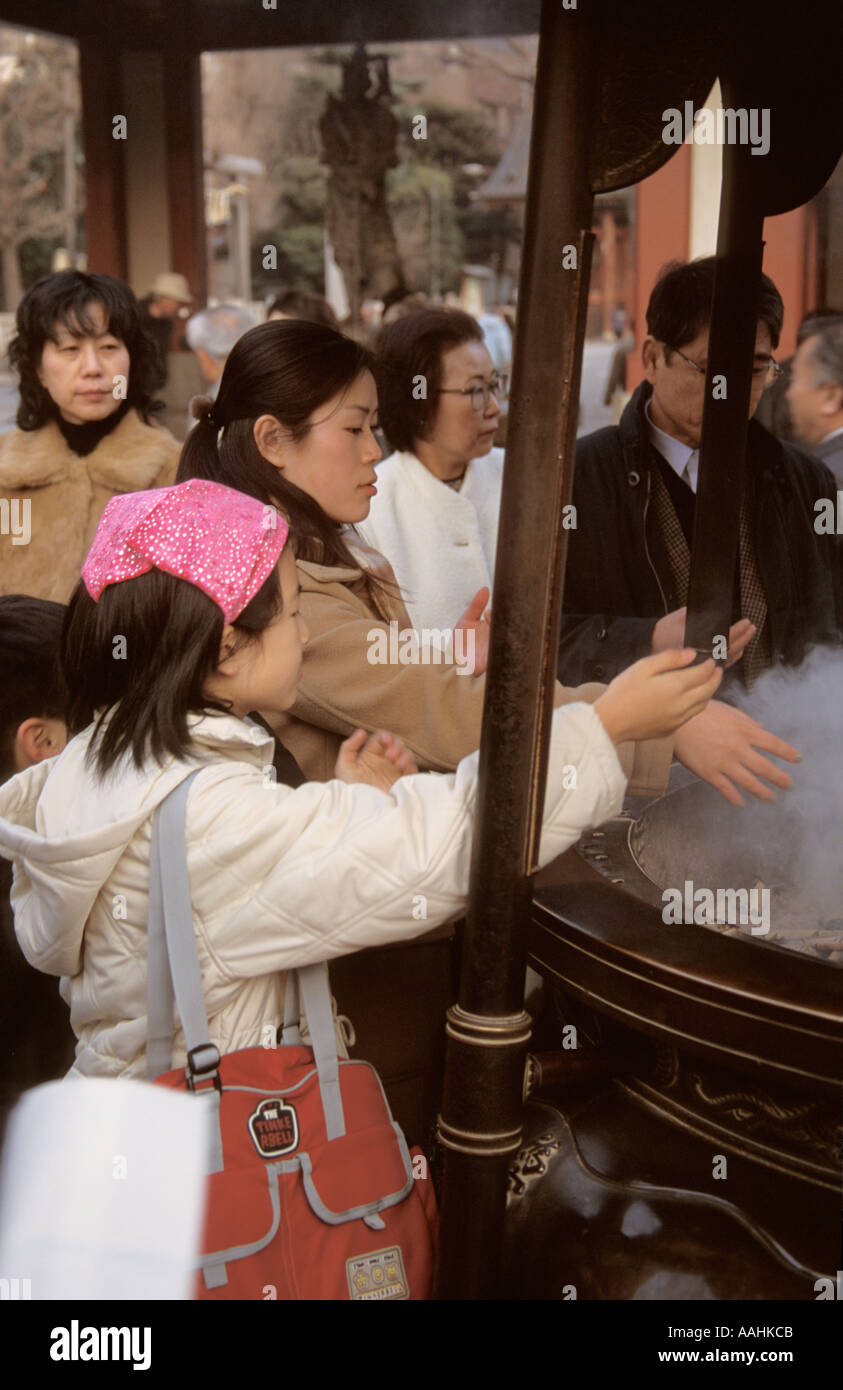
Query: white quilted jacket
278	877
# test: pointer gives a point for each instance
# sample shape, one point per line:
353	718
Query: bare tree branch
33	115
468	58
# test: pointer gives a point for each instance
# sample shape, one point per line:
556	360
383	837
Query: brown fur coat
66	496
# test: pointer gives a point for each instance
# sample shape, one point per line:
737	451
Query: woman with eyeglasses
435	516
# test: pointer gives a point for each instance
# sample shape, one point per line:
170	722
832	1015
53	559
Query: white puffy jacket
278	877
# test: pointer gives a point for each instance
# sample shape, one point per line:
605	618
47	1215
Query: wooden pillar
105	190
185	169
624	288
151	184
609	258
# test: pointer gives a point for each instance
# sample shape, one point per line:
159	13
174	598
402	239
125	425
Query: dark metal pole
728	385
488	1029
792	80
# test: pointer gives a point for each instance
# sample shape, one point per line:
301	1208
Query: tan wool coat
436	710
66	495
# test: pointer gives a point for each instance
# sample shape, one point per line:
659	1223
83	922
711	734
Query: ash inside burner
693	843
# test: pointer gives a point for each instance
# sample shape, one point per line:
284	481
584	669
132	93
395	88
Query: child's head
32	698
188	603
292	424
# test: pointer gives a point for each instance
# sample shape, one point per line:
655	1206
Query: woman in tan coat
85	432
292	425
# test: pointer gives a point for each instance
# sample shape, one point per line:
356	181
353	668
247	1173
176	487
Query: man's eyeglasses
768	370
480	393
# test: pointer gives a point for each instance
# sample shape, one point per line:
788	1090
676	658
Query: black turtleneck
83	439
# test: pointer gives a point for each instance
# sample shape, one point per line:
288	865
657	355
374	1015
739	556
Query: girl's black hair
287	369
137	659
64	300
31	687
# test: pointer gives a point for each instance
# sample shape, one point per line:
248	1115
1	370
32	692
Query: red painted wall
790	261
662	233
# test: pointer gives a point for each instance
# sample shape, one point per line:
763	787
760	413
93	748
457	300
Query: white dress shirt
684	460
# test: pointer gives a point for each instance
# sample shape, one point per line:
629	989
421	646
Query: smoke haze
802	831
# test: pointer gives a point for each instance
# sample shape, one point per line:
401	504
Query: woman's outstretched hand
656	695
473	620
377	759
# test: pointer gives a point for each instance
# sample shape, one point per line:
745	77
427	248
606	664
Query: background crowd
299	417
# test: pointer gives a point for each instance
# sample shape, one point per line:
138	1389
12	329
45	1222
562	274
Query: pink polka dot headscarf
213	536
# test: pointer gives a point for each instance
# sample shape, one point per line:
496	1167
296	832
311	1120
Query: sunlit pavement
597	359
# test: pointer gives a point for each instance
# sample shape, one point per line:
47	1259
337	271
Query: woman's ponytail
199	456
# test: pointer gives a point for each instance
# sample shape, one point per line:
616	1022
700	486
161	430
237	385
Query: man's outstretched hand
725	747
669	632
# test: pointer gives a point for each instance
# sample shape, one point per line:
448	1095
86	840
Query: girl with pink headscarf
186	618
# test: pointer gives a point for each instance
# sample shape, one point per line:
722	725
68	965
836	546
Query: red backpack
312	1191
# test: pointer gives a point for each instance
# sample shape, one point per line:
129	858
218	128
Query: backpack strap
290	1031
159	981
173	964
315	994
160	1000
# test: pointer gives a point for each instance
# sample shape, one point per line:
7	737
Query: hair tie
202	409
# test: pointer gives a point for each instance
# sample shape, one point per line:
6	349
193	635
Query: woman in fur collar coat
87	375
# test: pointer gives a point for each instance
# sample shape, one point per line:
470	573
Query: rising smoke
800	835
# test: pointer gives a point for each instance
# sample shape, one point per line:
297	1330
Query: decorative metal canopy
197	25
